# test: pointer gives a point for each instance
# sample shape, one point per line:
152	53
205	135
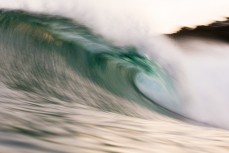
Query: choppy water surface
64	89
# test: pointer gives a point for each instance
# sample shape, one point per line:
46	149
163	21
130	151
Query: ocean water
73	82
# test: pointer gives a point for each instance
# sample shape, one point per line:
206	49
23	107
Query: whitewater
83	76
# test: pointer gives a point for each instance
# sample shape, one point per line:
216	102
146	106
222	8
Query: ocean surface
66	86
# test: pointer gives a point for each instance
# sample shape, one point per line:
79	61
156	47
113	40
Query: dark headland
217	30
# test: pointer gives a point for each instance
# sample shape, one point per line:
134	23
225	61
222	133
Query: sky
167	16
172	14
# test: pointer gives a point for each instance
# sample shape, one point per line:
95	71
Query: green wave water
65	89
41	46
53	68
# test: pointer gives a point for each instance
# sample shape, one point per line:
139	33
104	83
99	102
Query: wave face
66	84
44	54
53	68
